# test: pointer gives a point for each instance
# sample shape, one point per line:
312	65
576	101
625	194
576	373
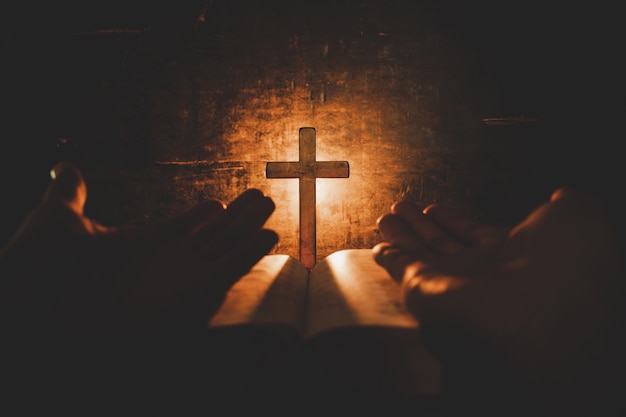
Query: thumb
68	187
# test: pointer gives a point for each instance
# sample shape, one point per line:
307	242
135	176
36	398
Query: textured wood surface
165	105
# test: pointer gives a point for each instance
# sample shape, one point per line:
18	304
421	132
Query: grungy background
165	105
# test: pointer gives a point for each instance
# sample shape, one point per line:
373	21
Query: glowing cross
307	169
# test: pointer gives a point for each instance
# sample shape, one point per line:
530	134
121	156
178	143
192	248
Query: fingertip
263	241
440	213
379	251
573	194
192	219
271	237
578	200
406	208
262	205
380	219
211	206
429	208
64	169
392	259
444	215
569	193
398	205
67	185
562	192
253	193
379	248
255	197
206	210
271	203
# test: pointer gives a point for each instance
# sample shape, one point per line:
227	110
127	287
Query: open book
346	311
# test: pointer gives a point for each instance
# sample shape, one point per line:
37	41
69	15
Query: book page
272	293
349	288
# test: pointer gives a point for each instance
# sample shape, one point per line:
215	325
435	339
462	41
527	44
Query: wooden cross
307	169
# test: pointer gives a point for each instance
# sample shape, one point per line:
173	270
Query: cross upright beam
307	170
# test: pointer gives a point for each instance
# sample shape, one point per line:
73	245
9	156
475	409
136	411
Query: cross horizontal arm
332	169
319	169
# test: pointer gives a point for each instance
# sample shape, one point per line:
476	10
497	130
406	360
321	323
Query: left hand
62	262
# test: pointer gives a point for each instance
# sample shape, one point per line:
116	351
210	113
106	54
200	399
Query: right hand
543	293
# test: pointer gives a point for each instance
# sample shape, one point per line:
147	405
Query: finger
210	229
413	299
435	297
241	258
578	201
245	214
67	187
566	193
566	206
467	231
400	234
249	202
190	221
392	259
438	239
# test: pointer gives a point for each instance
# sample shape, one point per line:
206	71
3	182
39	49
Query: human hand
61	262
542	293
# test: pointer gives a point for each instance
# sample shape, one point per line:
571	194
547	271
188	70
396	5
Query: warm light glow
370	300
285	220
244	297
341	202
348	128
